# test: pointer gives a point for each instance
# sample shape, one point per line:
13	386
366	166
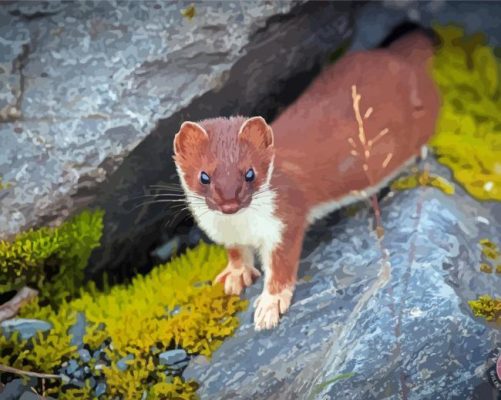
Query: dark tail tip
406	28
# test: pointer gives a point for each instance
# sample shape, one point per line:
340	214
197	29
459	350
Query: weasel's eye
250	175
204	178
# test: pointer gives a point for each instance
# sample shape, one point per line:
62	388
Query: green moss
51	259
486	268
423	179
174	306
490	253
468	136
4	185
487	307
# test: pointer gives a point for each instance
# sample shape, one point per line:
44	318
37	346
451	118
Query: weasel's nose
230	207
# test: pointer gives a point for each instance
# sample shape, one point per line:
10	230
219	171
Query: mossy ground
174	306
487	307
468	135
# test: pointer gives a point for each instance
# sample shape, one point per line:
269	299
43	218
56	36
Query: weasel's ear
256	131
189	138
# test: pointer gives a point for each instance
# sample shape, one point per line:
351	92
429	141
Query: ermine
255	188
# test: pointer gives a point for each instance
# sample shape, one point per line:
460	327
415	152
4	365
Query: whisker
167	186
175	218
156	195
175	201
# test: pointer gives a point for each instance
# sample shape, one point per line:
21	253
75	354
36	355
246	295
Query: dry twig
11	370
12	307
365	151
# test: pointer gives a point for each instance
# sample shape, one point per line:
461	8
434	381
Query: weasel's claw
269	307
235	280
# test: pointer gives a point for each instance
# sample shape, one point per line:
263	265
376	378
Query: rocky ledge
360	329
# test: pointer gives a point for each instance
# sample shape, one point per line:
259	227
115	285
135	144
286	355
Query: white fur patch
323	209
256	225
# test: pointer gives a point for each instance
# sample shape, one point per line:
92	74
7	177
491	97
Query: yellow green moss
174	306
423	179
468	135
486	268
491	254
189	12
3	185
487	307
51	259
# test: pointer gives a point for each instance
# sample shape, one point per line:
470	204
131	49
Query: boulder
359	328
92	94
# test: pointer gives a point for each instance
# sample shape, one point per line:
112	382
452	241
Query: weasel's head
223	163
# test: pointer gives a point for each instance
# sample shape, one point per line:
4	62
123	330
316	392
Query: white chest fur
255	226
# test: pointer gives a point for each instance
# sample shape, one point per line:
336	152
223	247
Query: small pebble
100	389
172	357
100	365
77	383
92	382
122	363
179	365
84	355
72	367
78	374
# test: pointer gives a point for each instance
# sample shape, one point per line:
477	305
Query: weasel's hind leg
240	272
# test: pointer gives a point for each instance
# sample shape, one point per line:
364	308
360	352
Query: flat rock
27	328
172	357
359	330
93	92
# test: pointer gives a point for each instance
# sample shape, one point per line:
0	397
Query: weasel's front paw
269	307
236	279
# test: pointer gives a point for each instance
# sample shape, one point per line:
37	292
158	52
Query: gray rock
103	86
179	366
92	382
172	357
13	390
122	363
72	367
357	330
77	331
77	382
84	355
30	395
27	328
375	19
100	389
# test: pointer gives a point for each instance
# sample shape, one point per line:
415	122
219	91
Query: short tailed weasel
255	188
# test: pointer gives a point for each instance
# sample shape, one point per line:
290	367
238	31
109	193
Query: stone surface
30	395
401	332
77	331
100	88
374	20
12	390
26	327
172	357
122	363
84	355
